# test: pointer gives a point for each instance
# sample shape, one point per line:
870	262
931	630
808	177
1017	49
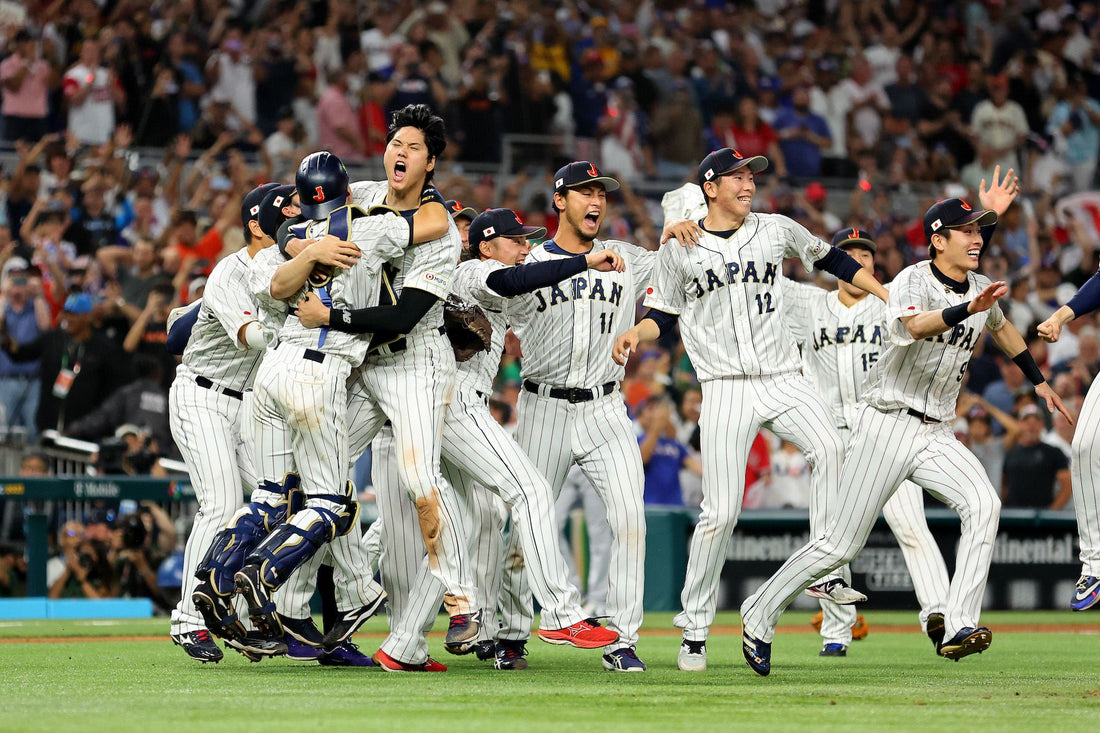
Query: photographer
13	572
137	556
87	573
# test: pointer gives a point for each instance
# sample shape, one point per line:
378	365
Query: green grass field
64	676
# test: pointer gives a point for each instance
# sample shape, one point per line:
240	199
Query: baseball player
728	294
935	317
476	448
1085	455
842	334
570	410
208	420
299	405
461	215
408	375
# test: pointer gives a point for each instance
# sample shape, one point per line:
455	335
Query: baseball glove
468	328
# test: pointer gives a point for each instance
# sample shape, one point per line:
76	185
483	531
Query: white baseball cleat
693	656
836	590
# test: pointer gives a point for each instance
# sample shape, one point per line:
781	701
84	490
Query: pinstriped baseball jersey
479	371
927	375
379	238
428	266
272	311
213	350
729	295
580	317
839	344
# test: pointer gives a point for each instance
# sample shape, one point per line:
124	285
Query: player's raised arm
933	323
1086	300
1009	340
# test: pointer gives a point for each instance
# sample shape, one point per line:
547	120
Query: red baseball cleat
586	634
388	663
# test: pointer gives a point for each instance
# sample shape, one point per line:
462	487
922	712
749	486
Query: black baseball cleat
348	621
485	649
462	633
758	654
968	641
199	645
511	654
255	647
935	629
261	607
302	630
217	612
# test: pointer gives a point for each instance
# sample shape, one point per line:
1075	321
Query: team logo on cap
736	153
854	234
488	232
457	207
254	210
592	171
966	206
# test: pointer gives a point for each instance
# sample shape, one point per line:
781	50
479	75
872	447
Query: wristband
956	314
1027	365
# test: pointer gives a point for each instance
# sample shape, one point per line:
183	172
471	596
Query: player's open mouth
745	199
398	172
592	217
974	253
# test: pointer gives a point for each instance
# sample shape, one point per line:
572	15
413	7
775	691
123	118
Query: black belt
572	394
401	344
311	354
923	418
207	384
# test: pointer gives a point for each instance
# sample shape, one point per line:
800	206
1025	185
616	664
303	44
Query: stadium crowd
137	125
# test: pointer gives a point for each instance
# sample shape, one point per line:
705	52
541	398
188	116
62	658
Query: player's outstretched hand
312	312
988	297
333	251
684	231
1001	193
625	344
605	260
1050	330
1047	392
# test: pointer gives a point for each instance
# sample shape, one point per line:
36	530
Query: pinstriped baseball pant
732	413
930	456
1085	475
597	436
210	429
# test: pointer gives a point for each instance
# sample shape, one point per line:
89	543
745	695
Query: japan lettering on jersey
926	375
839	344
580	317
729	294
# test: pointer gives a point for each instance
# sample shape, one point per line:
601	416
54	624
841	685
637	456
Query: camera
133	532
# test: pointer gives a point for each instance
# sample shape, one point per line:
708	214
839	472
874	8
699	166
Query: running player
935	317
728	295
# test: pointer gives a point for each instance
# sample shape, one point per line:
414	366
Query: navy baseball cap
78	303
580	173
493	223
250	206
727	160
271	208
853	237
952	214
456	209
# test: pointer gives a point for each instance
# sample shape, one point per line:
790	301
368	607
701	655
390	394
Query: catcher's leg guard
248	527
292	543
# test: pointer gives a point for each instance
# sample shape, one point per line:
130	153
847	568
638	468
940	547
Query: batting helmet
322	182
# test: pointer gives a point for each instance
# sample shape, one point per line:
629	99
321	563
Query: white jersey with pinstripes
840	344
213	350
580	317
380	239
479	371
273	312
729	295
428	266
927	375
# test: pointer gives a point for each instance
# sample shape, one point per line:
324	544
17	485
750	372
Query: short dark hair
422	118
